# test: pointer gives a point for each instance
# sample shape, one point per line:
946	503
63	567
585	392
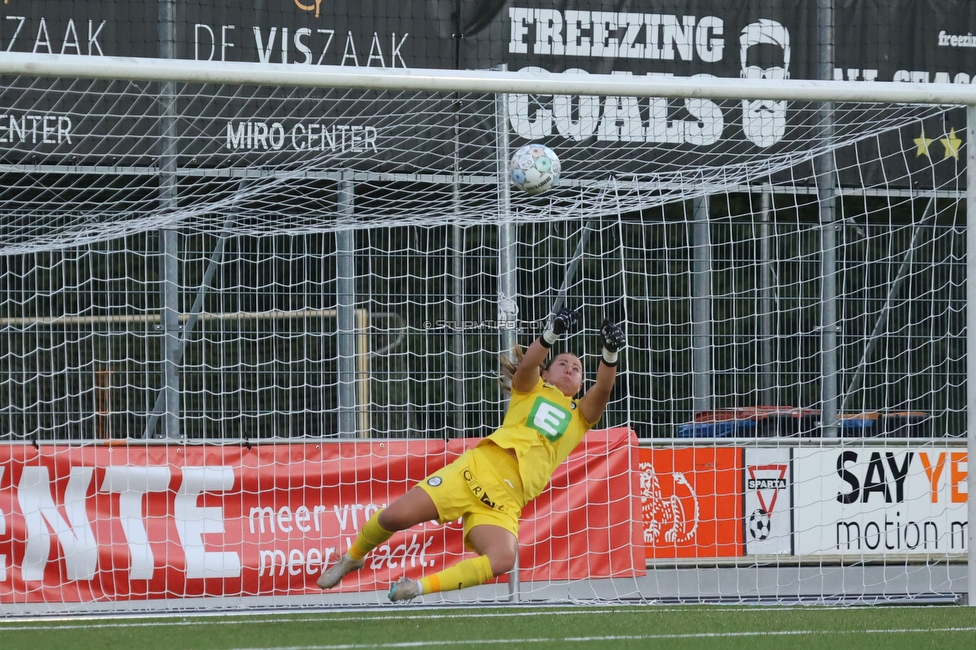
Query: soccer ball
535	168
759	524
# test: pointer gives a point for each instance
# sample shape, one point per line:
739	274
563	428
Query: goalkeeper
488	485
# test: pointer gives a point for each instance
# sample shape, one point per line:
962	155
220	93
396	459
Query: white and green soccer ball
535	168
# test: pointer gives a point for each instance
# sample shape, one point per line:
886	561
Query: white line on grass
401	614
408	613
589	639
136	620
69	624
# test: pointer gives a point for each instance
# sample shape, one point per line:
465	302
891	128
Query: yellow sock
371	536
466	573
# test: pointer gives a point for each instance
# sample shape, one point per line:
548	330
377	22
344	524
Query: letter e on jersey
549	419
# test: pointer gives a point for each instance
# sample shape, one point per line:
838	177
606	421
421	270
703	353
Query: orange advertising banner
138	522
691	502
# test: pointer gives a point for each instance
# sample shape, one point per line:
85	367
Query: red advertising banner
691	502
134	522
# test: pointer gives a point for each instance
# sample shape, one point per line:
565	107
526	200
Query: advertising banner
898	40
902	41
880	501
691	502
149	522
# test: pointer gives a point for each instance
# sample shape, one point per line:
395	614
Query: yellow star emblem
922	145
951	144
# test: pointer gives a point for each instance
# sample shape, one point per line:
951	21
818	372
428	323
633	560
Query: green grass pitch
566	627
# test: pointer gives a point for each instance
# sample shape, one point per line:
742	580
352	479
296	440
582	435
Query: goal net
237	318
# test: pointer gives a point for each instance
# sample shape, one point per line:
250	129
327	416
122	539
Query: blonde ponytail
508	364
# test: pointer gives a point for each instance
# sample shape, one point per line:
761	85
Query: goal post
794	412
971	341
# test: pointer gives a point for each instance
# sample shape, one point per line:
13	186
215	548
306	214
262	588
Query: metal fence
398	328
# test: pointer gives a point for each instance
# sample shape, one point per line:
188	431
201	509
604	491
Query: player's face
565	373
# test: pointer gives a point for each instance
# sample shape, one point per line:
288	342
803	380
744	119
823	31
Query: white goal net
235	319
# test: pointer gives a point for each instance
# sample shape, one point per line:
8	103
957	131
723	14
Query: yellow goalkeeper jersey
542	426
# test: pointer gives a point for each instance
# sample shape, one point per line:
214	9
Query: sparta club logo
767	481
675	514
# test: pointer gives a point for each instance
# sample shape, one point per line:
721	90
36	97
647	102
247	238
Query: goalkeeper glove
613	339
560	324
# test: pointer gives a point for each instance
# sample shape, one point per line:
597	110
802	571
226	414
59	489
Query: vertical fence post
701	307
507	264
768	327
506	229
458	365
169	238
826	198
346	311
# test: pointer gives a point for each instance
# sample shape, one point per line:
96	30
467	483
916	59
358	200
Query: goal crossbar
488	81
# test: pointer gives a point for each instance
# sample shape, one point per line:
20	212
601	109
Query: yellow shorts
481	487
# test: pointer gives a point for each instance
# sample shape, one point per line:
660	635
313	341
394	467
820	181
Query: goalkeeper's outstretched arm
594	402
528	371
